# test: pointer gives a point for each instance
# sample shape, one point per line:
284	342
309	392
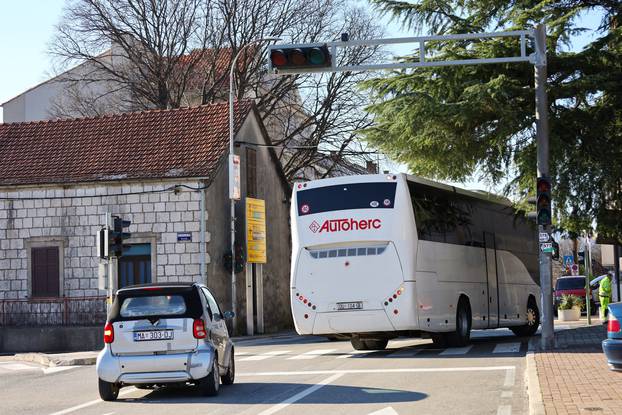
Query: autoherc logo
314	226
345	225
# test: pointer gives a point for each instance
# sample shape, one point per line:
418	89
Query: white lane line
354	353
91	403
455	351
56	369
263	356
312	354
386	411
401	370
17	366
300	395
510	378
242	353
506	394
504	410
404	353
507	348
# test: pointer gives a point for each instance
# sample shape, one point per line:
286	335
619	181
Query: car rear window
160	305
570	283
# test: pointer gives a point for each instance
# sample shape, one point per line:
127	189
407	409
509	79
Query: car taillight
198	329
108	333
614	325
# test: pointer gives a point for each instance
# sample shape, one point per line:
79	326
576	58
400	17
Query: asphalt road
305	376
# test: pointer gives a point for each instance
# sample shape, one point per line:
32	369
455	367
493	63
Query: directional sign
544	237
546	247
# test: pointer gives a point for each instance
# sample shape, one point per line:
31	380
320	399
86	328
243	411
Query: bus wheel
533	320
462	335
376	344
358	344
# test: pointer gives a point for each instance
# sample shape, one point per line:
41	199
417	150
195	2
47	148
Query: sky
27	27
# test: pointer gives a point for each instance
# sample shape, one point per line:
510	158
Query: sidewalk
574	378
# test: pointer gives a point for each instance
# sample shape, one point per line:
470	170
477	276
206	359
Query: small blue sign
184	237
568	260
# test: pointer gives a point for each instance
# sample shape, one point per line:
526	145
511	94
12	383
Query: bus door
492	278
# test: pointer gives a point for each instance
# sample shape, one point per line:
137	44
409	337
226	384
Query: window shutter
45	272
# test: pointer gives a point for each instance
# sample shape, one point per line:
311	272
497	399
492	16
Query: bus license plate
355	305
141	336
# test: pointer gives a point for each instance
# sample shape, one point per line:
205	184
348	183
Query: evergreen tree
449	122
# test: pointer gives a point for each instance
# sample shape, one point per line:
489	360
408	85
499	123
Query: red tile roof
185	142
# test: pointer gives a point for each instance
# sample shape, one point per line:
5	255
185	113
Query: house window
251	172
135	265
45	271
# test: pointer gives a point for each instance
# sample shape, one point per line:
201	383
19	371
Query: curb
54	361
536	405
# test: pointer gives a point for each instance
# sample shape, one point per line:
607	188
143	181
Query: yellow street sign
256	230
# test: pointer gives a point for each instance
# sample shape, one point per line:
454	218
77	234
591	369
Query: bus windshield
346	196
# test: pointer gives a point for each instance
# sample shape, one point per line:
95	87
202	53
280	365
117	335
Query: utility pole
542	143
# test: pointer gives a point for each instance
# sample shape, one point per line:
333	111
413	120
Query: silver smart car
162	334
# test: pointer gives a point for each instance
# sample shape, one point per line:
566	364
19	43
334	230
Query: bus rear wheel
462	335
533	321
369	344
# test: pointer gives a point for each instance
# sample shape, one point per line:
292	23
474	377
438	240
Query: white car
163	334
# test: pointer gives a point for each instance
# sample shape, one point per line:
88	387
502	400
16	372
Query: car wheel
462	335
533	321
229	377
210	384
108	391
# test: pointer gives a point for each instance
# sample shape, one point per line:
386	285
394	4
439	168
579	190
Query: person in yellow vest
604	295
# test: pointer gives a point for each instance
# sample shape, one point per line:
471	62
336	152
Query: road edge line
534	393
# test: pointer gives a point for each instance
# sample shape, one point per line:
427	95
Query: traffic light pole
542	143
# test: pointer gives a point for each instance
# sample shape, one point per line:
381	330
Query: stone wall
70	216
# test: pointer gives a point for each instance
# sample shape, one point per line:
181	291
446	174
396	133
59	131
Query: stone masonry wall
73	214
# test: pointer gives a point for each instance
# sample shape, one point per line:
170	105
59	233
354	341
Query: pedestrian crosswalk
422	351
18	367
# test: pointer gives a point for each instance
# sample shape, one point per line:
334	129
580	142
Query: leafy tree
451	122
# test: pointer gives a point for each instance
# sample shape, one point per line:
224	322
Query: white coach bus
381	256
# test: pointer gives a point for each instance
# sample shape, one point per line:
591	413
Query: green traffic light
316	56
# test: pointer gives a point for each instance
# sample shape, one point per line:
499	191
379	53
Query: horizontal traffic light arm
334	46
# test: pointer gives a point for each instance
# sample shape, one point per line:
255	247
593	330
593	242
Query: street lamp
231	181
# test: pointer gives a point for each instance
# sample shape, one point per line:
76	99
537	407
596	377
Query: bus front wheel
462	335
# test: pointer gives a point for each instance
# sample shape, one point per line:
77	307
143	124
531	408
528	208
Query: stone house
162	170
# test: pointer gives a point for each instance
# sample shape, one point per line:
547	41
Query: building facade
166	172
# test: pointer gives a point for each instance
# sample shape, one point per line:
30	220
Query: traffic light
543	203
117	236
240	259
299	59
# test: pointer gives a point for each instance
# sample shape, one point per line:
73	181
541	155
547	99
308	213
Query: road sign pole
542	140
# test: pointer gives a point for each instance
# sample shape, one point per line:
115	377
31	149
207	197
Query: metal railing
62	311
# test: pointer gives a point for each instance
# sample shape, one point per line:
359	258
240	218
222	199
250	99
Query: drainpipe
202	247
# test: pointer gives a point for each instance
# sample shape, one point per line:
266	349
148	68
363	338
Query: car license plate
141	336
355	305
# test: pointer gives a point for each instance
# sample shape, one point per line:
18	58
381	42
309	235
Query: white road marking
312	354
510	378
507	348
504	410
17	366
353	353
242	353
55	369
386	411
91	403
454	351
402	370
506	394
263	356
300	395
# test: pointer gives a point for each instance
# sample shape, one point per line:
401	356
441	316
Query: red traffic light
543	204
291	58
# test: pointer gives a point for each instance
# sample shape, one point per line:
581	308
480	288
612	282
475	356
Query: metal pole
202	252
542	140
234	302
587	261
